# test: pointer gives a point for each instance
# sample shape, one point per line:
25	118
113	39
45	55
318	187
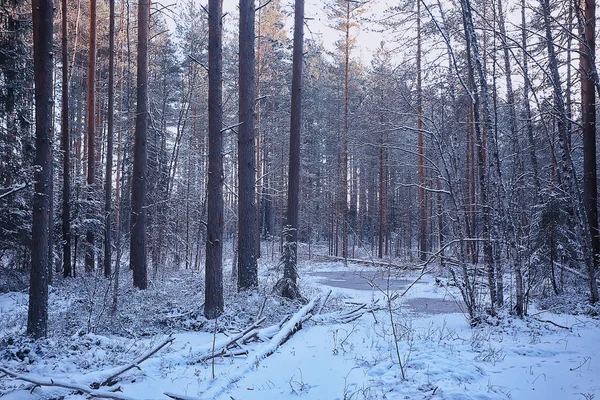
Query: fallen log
40	381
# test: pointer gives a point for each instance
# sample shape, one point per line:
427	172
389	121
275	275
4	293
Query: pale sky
317	23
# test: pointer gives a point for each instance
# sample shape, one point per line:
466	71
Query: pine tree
138	186
247	261
213	306
37	318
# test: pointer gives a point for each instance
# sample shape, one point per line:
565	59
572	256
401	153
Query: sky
317	24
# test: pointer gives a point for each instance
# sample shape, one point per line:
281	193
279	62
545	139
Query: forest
233	145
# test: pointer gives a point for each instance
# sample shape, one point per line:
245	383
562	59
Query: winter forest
267	199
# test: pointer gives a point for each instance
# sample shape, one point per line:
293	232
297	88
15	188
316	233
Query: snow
545	356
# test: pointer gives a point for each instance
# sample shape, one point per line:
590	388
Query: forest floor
374	339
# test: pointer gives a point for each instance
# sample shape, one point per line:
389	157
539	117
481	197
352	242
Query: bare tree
37	317
480	101
213	296
568	168
137	245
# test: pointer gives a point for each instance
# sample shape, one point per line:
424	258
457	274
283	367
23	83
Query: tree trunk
109	144
140	158
66	149
510	222
247	263
91	125
37	317
588	114
422	200
569	174
213	300
381	200
344	172
481	112
290	272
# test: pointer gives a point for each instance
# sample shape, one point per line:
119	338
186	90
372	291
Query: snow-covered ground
425	337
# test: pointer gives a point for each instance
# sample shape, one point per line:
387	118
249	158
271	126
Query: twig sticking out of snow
40	381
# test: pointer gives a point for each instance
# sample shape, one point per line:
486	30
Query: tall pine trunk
344	171
140	155
422	200
247	263
214	242
37	317
91	126
290	272
65	145
109	144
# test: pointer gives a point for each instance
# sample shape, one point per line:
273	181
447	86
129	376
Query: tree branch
40	381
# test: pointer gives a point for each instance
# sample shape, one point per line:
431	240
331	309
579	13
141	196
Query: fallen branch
135	364
39	381
226	353
222	346
370	262
289	328
323	303
12	190
345	317
553	323
180	396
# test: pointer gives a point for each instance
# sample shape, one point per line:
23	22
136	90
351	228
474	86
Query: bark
91	126
37	317
109	144
213	306
140	158
247	262
65	148
290	273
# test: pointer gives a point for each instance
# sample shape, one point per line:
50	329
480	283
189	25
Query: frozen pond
361	281
375	280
